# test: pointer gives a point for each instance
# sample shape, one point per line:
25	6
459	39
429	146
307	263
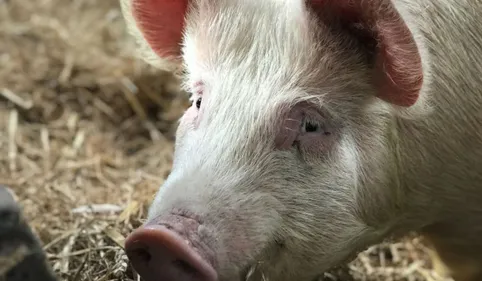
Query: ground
86	134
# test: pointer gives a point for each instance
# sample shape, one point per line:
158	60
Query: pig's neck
402	204
415	189
438	171
414	202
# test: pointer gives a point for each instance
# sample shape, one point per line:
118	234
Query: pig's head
282	162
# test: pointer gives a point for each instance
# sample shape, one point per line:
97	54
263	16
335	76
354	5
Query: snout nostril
184	266
142	255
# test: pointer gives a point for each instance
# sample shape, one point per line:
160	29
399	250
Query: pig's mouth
256	270
253	272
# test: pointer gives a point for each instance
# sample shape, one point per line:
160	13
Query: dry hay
86	135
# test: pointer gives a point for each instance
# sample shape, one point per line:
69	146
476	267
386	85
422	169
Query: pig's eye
198	103
313	127
309	126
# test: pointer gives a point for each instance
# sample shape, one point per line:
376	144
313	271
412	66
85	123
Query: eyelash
310	126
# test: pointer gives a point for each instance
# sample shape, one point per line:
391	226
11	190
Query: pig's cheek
316	146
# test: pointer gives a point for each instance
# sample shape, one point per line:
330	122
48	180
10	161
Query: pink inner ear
399	73
398	68
161	23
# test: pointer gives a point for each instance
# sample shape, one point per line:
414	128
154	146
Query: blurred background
86	132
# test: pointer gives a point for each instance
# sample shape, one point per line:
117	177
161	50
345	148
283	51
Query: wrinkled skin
291	160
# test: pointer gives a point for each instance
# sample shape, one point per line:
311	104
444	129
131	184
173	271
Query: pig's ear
158	27
398	70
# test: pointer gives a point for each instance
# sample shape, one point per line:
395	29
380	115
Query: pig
317	129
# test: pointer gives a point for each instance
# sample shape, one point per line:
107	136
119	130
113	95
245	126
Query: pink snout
159	253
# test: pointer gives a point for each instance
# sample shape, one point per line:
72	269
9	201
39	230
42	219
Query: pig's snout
160	252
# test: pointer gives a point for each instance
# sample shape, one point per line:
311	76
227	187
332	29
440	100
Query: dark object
21	255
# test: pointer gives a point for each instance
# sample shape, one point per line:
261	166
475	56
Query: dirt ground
86	134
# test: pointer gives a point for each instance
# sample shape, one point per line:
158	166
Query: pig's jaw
278	264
